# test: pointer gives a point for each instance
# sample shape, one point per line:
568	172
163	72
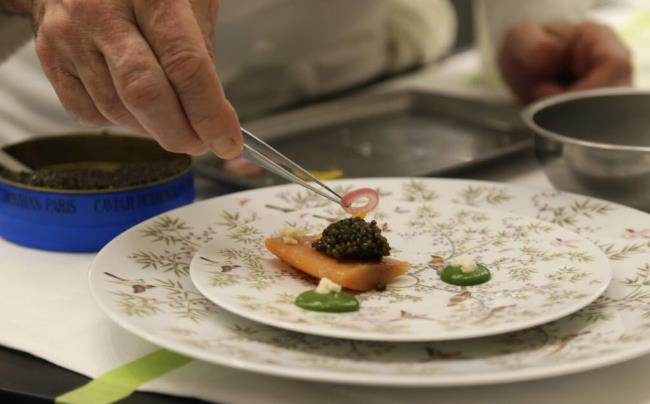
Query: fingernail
224	146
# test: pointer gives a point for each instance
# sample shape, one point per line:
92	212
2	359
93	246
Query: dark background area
465	36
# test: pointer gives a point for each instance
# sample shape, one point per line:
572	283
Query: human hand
242	167
142	64
539	60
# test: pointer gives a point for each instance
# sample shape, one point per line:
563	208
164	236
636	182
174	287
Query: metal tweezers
260	152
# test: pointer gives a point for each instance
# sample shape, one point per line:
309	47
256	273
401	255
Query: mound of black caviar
353	239
126	175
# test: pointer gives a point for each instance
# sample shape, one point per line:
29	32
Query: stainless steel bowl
596	143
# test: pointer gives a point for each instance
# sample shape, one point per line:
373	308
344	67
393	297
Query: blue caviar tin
84	220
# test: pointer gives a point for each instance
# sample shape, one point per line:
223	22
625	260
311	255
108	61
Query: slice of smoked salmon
356	275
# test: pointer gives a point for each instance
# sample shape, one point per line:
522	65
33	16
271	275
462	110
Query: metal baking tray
398	134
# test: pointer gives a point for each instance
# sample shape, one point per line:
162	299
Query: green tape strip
121	382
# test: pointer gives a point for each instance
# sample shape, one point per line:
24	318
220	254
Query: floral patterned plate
540	272
141	281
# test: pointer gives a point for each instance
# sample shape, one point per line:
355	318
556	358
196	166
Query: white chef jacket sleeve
419	31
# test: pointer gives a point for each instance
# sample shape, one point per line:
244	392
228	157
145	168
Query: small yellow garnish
323	175
467	266
289	240
326	286
328	174
291	235
361	215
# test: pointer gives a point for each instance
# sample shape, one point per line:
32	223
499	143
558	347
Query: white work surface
46	309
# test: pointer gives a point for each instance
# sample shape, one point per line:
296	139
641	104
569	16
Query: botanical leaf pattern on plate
540	273
615	327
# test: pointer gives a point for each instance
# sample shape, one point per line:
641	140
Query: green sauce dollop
333	302
454	275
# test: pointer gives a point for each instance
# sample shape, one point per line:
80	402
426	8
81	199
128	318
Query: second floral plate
540	273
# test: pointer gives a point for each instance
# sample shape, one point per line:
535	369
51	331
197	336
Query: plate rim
394	380
503	377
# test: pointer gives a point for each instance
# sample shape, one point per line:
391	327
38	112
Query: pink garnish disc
368	196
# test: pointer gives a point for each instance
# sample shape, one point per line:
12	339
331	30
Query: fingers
77	102
143	64
605	74
242	167
145	91
534	47
93	83
538	60
96	78
600	58
179	45
69	88
547	89
530	54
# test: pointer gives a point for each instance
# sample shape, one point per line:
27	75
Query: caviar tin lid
88	188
